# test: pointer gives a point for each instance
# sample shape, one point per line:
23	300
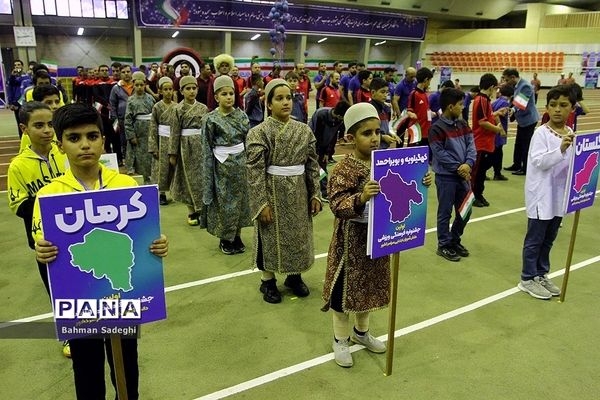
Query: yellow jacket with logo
67	183
27	174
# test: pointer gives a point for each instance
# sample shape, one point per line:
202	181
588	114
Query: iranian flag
467	205
322	174
520	101
414	133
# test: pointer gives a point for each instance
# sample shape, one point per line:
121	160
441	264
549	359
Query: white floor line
249	271
245	272
261	380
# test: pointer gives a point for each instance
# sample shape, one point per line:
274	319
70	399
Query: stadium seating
497	61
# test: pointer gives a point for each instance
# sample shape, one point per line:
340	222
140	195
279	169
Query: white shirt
546	179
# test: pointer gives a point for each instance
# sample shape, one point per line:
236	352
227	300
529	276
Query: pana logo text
97	309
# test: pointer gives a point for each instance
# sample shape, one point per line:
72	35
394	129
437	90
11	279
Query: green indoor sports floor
463	329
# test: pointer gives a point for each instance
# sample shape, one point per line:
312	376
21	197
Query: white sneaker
535	289
371	343
549	285
341	351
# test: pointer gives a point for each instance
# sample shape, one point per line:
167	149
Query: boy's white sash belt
164	130
191	132
222	152
291	170
143	117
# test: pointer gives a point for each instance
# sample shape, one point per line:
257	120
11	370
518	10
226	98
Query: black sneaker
227	247
297	285
194	219
238	245
270	292
448	253
500	177
478	203
163	200
519	173
461	250
485	202
512	168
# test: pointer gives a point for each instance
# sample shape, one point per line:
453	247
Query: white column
227	42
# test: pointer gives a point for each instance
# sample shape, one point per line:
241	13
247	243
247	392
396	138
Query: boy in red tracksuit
418	104
485	127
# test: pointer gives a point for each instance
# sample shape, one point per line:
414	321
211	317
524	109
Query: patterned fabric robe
286	243
366	282
139	129
187	180
225	184
162	171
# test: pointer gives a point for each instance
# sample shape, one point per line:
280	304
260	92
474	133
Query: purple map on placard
583	177
399	194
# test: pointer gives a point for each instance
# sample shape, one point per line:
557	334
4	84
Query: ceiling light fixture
80	31
255	36
379	43
321	40
174	35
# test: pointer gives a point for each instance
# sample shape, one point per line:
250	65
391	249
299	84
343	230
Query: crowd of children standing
233	150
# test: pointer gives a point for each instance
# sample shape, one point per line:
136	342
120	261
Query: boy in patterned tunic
137	126
355	283
185	148
283	178
224	166
158	141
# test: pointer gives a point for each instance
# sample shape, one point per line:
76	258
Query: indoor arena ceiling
456	9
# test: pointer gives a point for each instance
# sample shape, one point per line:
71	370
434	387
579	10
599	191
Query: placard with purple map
104	279
583	172
397	215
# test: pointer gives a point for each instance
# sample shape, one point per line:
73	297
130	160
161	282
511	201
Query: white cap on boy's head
221	82
359	112
138	76
272	84
187	80
163	80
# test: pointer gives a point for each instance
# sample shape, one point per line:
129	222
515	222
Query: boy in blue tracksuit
453	152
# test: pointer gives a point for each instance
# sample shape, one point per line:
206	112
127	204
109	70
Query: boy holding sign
545	185
78	129
355	283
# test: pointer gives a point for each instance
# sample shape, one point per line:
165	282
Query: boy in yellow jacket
37	164
79	132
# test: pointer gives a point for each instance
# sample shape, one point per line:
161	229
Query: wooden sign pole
392	318
563	290
117	354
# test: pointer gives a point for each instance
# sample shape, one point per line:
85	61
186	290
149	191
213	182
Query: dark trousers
44	275
536	248
323	182
482	164
88	367
497	160
112	140
523	139
17	119
451	191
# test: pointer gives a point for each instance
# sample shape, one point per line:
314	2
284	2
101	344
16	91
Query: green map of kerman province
105	254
